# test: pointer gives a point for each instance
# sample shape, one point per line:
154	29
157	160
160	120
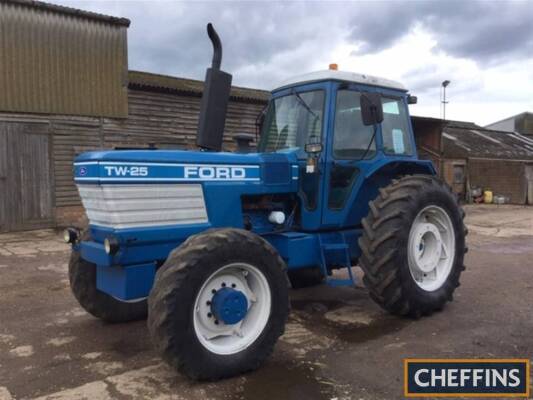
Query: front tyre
82	277
219	304
413	246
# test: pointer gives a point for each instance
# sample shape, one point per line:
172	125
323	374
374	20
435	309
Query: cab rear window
395	128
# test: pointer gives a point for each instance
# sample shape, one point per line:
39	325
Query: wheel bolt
223	284
216	321
213	291
208	302
233	285
209	315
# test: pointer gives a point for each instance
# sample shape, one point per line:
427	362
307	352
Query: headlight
71	235
111	245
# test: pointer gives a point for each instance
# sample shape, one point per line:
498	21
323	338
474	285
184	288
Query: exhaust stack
215	99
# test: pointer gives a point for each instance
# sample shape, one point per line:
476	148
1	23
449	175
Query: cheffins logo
466	378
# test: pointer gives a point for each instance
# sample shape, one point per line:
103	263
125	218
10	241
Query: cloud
475	44
170	37
483	31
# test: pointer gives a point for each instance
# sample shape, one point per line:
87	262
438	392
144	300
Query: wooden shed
468	156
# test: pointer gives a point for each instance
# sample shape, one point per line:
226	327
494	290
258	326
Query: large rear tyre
219	304
413	246
82	277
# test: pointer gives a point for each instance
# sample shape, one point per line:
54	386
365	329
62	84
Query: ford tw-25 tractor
206	243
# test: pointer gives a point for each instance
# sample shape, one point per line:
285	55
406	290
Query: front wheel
219	304
82	277
413	246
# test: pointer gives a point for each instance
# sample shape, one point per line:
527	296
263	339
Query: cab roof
343	76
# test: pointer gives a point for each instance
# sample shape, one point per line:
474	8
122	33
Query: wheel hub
232	308
431	248
428	247
229	305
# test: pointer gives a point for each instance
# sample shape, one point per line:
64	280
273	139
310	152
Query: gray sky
485	48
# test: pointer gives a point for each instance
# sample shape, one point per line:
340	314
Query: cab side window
394	127
352	140
351	137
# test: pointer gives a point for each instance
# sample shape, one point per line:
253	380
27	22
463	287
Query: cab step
340	252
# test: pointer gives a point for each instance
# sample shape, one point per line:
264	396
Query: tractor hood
174	192
172	166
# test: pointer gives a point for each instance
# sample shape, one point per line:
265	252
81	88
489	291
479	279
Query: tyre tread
176	274
382	225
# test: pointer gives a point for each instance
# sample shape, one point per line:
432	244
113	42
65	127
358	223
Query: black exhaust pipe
215	98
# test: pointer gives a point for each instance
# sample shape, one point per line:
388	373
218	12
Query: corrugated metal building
521	123
58	60
61	103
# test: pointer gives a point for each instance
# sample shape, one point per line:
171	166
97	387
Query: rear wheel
219	304
82	277
413	246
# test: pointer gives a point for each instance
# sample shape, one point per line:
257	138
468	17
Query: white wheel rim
132	301
431	248
230	339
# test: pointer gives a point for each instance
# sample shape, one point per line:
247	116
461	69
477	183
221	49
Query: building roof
522	114
437	121
343	76
191	87
70	11
466	139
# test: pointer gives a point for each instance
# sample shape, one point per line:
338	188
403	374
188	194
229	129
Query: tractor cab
343	127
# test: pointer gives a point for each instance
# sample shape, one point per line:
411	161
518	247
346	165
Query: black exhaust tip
217	46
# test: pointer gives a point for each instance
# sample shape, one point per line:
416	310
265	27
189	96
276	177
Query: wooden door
454	175
26	183
529	183
3	179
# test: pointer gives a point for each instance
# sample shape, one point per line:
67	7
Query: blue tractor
205	244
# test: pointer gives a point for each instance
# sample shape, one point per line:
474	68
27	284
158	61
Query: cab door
354	150
352	147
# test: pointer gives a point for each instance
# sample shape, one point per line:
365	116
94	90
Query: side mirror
412	99
371	108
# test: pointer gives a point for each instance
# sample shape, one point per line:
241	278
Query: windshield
291	120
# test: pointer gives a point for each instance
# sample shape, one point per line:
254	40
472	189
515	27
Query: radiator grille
128	206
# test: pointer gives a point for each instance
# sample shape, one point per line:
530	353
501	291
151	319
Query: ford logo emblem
83	171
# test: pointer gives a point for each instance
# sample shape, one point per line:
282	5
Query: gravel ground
338	343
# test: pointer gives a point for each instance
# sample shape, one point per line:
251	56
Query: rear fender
402	167
381	175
